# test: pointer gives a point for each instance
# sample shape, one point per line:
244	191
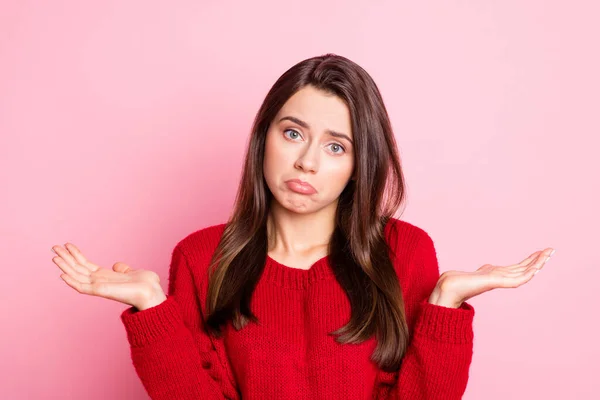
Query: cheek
341	170
270	154
273	158
277	155
336	176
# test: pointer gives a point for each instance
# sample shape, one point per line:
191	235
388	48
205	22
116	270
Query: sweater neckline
296	278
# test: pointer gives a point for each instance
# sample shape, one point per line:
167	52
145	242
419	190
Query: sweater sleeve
436	363
173	357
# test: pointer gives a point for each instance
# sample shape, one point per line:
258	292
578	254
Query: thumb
121	267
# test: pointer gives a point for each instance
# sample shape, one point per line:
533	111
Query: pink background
123	125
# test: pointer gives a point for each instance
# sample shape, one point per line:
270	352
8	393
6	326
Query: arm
436	363
173	357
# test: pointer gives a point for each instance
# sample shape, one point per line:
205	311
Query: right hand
136	287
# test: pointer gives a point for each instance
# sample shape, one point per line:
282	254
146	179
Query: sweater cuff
446	324
146	326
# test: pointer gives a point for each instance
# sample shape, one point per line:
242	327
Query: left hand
455	287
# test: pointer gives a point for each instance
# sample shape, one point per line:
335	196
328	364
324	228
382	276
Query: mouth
301	187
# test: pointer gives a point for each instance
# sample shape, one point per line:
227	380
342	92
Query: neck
293	234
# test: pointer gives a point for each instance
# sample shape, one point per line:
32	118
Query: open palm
123	284
465	285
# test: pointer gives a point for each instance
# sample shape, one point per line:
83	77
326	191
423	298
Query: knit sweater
289	354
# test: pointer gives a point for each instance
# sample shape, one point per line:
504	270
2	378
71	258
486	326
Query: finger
534	265
514	279
81	287
525	262
520	270
68	258
519	274
522	275
548	254
528	275
68	270
78	256
541	260
121	267
533	259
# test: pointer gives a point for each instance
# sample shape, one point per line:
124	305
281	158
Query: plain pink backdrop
123	125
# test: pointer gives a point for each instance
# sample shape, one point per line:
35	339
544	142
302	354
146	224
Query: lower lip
302	189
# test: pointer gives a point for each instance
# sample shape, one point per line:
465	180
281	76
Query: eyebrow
306	126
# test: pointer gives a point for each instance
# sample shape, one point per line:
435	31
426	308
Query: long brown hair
358	251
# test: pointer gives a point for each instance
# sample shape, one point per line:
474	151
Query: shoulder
199	246
411	250
405	237
211	232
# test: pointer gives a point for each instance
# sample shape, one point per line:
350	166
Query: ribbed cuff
446	324
144	327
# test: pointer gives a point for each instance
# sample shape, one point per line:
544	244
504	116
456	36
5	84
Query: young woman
312	289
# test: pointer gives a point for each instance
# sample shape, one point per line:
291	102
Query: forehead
321	110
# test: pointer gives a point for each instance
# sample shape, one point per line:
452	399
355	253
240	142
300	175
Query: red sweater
289	355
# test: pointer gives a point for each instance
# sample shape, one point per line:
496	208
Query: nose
308	160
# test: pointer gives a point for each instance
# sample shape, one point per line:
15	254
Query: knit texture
289	354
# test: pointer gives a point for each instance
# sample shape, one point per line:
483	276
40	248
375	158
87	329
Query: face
310	139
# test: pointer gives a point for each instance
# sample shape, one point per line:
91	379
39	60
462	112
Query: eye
295	134
291	130
337	145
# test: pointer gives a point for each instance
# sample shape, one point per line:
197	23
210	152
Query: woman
311	290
